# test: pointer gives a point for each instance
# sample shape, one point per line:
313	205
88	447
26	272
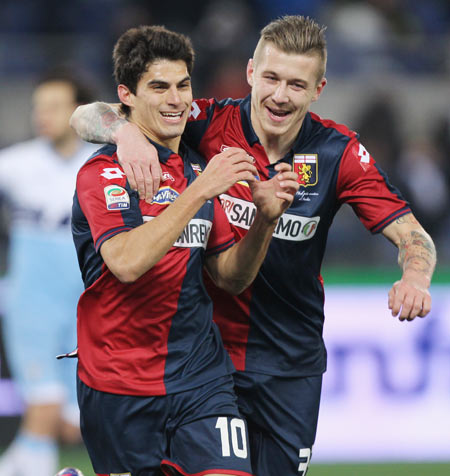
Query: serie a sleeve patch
116	197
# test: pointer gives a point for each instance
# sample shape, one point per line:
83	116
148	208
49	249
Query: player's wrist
416	278
198	192
266	221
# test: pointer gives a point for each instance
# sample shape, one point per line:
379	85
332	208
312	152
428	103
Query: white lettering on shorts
304	455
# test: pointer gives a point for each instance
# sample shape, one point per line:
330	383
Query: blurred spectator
424	183
441	136
38	179
380	35
223	39
379	129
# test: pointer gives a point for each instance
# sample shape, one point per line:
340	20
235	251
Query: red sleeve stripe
110	234
390	219
220	248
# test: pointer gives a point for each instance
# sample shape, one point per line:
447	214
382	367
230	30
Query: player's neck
276	146
172	143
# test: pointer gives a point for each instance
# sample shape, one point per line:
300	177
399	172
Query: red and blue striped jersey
275	326
156	335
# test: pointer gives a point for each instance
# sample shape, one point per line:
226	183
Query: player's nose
280	94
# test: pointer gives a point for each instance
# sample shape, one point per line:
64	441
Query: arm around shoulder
102	122
97	122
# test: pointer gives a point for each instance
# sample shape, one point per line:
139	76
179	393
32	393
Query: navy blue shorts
282	416
199	431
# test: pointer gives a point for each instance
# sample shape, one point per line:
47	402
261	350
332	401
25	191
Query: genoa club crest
306	168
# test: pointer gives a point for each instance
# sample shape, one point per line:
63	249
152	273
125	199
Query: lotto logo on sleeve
112	173
198	110
117	198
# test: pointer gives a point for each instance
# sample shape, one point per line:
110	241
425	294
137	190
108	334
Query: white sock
30	455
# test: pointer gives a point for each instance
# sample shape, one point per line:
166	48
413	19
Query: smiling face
162	102
283	88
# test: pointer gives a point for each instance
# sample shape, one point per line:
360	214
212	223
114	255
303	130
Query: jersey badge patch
197	169
306	168
117	198
165	196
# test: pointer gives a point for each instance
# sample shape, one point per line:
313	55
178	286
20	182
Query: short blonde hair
295	34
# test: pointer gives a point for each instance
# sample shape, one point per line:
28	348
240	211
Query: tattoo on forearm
417	252
100	124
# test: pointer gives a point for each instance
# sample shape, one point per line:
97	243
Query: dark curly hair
138	47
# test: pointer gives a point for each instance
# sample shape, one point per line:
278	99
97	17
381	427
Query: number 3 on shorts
226	428
304	455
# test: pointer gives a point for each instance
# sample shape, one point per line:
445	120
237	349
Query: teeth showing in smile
172	114
278	113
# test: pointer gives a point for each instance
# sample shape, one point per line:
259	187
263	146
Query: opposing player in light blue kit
38	179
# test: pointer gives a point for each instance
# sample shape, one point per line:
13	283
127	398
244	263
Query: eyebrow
294	80
159	82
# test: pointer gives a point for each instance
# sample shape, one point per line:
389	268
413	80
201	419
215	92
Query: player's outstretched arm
101	122
236	268
130	254
409	297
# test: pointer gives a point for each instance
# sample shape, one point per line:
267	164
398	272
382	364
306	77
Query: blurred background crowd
388	78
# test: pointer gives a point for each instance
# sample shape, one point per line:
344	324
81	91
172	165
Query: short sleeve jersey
154	336
275	326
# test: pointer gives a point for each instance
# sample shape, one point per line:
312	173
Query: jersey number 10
239	445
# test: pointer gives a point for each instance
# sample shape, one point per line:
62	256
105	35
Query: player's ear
250	70
319	88
125	95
